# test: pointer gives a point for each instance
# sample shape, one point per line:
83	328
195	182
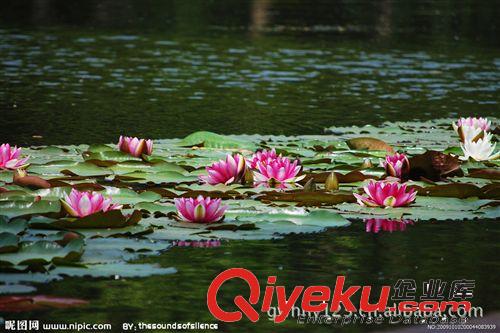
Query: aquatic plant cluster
57	201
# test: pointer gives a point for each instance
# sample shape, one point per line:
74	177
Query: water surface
456	250
73	73
88	71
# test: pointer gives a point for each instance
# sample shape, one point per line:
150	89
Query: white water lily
480	150
471	129
469	133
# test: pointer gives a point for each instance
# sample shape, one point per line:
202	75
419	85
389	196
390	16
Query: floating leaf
157	178
317	198
23	207
485	173
8	242
109	219
369	144
434	165
109	155
43	252
37	302
15	227
213	140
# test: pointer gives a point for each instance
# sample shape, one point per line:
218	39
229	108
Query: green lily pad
109	155
213	140
8	242
43	252
157	178
22	207
15	227
427	208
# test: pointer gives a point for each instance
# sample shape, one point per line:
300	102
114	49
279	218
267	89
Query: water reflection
376	225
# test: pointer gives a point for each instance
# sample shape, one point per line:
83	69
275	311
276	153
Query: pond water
88	72
456	250
83	73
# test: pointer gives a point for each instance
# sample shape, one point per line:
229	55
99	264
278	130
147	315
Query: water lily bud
397	165
248	179
134	146
367	164
310	186
332	182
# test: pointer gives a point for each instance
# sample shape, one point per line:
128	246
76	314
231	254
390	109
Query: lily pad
8	242
213	140
15	227
109	219
369	144
43	252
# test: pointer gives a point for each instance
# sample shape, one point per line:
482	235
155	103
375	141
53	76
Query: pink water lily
263	156
228	171
200	210
375	225
81	204
396	165
279	170
386	194
482	123
10	157
134	146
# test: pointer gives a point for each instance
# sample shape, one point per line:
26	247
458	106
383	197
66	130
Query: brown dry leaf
369	144
30	181
37	302
434	165
485	173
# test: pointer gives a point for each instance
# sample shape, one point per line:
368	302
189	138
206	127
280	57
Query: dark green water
445	250
88	71
76	72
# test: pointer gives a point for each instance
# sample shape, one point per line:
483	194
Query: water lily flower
471	129
375	225
9	157
386	194
228	171
134	146
279	170
482	123
396	165
480	150
81	204
263	156
200	210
